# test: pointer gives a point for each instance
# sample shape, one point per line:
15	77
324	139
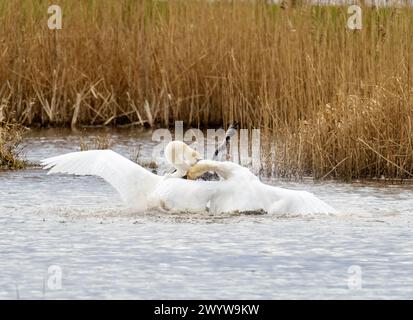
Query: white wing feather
132	182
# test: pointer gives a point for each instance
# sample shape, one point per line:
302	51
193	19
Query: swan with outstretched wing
238	190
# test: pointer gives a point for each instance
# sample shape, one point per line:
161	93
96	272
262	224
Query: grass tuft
10	139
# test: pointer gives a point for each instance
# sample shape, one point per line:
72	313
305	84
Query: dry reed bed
330	101
10	138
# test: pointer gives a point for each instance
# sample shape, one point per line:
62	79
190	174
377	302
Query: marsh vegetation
330	102
11	136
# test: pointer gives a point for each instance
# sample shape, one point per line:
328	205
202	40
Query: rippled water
106	251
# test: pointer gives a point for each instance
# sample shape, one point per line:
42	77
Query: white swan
239	190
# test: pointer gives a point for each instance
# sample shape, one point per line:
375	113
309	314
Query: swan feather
131	181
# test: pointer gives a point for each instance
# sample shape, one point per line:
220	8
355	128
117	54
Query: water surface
107	251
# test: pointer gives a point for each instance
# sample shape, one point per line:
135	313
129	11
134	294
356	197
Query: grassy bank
11	136
336	102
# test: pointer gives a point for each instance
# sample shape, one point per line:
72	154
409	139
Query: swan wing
129	179
295	202
240	190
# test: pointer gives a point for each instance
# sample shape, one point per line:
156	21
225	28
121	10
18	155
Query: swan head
178	153
182	157
194	157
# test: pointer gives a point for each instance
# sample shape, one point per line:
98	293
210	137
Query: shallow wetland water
105	250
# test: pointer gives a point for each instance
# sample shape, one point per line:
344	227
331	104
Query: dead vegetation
10	139
332	102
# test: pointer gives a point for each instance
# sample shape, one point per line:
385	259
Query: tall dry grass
11	136
333	101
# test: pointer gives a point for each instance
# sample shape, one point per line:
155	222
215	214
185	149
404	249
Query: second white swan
238	190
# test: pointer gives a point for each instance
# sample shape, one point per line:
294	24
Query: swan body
239	189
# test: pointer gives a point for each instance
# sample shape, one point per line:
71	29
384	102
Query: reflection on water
107	251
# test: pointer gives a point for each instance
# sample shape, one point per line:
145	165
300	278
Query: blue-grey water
70	237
